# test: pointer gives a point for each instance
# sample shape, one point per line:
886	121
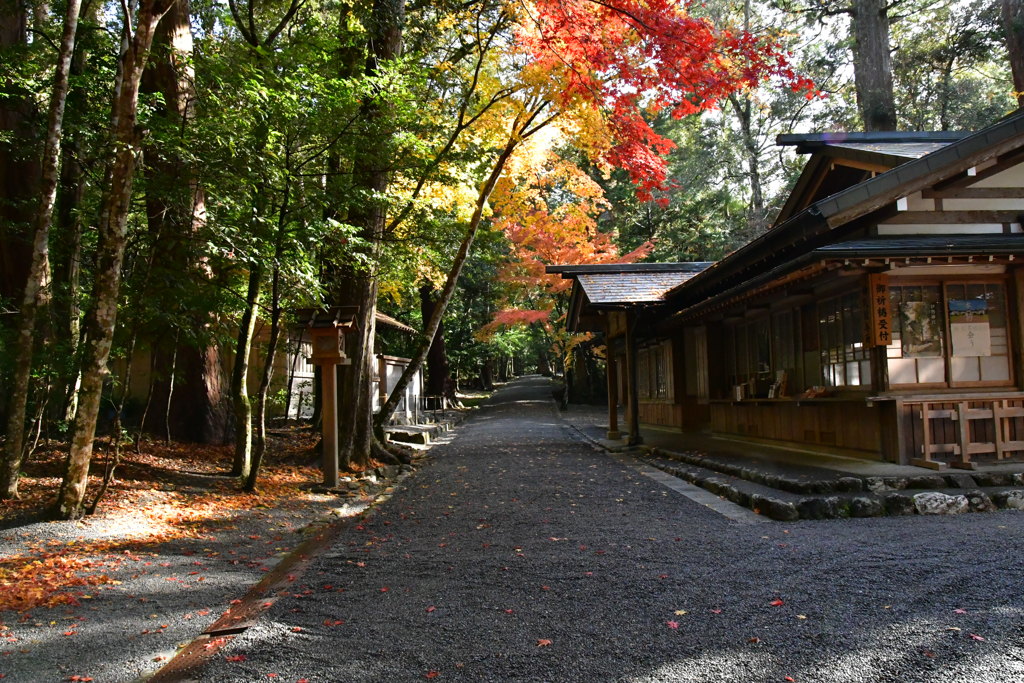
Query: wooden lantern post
327	331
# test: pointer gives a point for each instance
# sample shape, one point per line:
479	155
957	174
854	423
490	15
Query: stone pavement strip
521	554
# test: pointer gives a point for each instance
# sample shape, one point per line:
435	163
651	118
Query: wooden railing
965	428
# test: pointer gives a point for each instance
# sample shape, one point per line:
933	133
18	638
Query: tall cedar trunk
438	371
109	256
487	374
176	211
1013	26
239	388
37	288
522	128
370	180
872	64
19	158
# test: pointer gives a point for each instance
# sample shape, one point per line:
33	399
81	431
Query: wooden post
613	396
634	404
382	379
328	375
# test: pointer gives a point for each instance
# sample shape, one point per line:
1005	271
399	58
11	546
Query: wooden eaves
788	245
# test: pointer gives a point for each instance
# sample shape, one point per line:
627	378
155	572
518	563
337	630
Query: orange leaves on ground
432	674
778	602
235	658
147	508
47	578
543	642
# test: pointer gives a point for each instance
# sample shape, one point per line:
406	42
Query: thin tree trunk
109	256
171	381
114	459
37	289
239	387
260	448
521	129
149	401
275	334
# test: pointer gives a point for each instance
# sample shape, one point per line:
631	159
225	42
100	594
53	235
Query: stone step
824	481
417	434
783	505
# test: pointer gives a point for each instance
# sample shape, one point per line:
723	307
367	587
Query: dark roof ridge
806	142
595	268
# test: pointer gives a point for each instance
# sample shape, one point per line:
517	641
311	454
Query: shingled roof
629	288
617	284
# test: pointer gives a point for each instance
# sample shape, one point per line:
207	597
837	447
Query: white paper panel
931	370
964	369
902	371
995	369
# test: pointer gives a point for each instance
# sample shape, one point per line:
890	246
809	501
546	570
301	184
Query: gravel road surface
521	554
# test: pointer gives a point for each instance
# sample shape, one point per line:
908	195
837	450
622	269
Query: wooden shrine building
881	316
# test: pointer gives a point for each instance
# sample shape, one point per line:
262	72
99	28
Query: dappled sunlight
827	650
165	494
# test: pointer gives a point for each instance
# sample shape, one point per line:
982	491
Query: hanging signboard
880	312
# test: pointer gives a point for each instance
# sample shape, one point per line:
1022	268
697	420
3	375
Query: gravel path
522	554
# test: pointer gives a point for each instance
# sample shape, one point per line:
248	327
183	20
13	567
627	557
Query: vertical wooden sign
879	309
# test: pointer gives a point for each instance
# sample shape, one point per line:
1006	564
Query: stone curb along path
789	499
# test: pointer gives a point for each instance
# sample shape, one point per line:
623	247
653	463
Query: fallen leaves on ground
154	499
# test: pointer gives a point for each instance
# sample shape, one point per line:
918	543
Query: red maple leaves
632	56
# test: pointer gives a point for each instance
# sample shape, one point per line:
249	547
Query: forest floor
173	542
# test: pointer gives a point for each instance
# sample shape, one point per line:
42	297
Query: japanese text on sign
881	319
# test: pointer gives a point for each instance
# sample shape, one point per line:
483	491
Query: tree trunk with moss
112	231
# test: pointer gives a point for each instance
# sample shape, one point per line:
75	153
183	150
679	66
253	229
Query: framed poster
969	329
922	336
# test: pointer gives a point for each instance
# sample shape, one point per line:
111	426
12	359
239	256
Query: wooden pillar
613	396
329	374
631	388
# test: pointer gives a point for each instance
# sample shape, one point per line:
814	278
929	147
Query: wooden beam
861	165
975	193
954	217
